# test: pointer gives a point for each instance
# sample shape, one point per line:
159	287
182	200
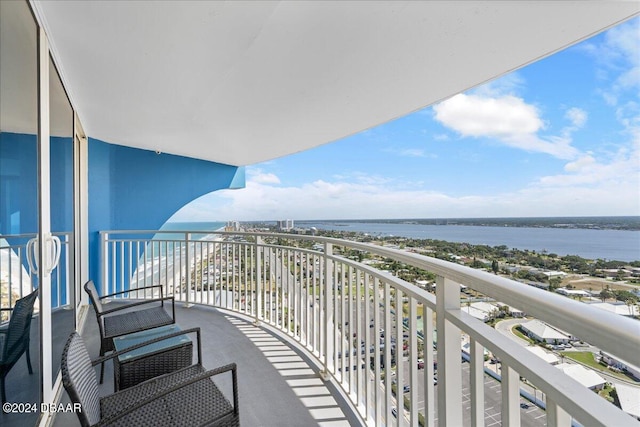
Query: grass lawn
587	358
516	330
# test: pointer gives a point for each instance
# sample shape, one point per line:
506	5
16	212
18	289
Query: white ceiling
245	82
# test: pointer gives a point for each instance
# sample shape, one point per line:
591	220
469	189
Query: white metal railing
346	315
17	279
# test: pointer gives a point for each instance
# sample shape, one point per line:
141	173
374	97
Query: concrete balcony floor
277	384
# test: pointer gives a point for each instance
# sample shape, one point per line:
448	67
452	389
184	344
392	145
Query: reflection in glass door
18	198
61	186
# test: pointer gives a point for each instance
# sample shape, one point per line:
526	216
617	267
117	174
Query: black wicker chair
14	339
114	325
187	397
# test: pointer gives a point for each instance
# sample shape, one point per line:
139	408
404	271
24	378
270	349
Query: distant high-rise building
285	225
232	226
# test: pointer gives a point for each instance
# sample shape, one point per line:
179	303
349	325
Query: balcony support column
449	360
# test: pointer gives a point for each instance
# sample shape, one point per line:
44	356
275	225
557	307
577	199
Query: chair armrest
133	290
133	304
163	392
151	341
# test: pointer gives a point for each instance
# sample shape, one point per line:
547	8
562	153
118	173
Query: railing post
510	396
104	270
187	239
71	271
413	359
476	351
556	416
429	372
258	293
449	357
327	312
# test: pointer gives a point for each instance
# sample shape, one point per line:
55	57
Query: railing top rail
616	334
25	235
581	402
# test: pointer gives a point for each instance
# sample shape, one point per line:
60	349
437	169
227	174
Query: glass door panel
62	212
18	199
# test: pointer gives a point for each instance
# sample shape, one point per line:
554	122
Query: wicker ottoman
152	360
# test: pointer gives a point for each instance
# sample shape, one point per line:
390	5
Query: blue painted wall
18	183
133	189
128	188
19	186
19	197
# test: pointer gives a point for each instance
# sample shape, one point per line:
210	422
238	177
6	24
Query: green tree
495	266
606	294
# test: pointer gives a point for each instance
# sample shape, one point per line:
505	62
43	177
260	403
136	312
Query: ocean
619	245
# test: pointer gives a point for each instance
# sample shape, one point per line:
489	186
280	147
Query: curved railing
344	313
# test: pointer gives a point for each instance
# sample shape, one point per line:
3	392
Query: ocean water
620	245
189	226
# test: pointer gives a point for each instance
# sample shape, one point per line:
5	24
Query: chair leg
29	360
102	364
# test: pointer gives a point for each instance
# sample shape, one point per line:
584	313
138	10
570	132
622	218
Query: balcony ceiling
245	82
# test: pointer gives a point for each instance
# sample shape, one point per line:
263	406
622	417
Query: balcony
333	323
334	309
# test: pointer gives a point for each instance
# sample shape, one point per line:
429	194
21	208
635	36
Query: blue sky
560	137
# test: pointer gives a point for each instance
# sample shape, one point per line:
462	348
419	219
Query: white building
478	314
573	292
544	355
618	308
629	398
542	332
584	376
232	226
285	225
620	364
515	312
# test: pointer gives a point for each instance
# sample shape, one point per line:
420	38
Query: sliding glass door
19	219
41	154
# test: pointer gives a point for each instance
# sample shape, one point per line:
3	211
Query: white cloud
413	152
410	152
618	174
508	84
577	116
619	61
507	119
474	115
265	178
588	187
581	164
